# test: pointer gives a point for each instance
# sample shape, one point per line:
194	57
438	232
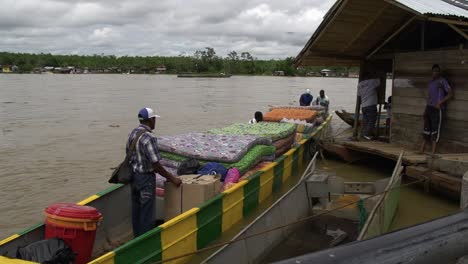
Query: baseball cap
146	113
308	91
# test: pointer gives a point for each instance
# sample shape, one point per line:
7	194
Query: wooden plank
438	181
386	150
420	103
403	26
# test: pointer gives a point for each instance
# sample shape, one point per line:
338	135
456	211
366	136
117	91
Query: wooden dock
387	150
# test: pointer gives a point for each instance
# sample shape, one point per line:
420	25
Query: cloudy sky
267	29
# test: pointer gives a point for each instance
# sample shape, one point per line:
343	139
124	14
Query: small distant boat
349	118
203	75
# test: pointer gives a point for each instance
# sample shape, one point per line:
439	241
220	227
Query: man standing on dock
367	94
145	162
438	93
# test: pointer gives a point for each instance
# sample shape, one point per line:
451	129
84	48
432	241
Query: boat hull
187	232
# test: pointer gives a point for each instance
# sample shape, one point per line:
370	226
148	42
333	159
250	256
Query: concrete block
317	185
453	166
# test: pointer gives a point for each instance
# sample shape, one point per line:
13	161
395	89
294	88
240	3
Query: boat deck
387	150
392	151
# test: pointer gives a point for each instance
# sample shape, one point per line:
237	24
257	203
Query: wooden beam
448	21
313	38
332	19
364	29
459	31
391	36
423	34
403	7
332	55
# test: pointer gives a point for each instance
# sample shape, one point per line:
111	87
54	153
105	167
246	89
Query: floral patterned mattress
274	131
251	158
211	147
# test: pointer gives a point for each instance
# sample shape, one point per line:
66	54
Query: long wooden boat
442	240
349	118
188	232
203	75
343	225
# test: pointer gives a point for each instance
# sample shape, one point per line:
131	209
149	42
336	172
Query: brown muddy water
61	134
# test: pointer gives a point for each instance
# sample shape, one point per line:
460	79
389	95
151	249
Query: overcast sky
267	29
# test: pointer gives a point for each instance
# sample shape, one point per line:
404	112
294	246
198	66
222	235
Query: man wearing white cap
306	98
145	162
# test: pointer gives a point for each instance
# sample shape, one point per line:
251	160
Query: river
61	134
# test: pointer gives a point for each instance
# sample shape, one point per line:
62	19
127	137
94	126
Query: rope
218	245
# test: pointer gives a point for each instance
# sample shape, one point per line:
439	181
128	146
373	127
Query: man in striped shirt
145	162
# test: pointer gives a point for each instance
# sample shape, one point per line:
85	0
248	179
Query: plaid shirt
146	151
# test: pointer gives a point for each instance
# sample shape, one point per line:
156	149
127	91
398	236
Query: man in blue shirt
145	162
438	93
306	98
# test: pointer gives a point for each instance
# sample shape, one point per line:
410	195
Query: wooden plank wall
412	72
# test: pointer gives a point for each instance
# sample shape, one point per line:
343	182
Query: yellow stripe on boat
5	260
108	258
88	200
269	166
288	161
233	205
8	239
300	156
179	236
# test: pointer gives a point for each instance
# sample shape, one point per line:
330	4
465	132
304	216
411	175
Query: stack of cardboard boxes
195	190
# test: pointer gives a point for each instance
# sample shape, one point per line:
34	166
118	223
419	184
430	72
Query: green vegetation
204	61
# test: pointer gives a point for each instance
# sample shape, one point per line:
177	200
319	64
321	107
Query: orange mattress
277	114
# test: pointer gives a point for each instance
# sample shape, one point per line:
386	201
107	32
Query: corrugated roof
458	8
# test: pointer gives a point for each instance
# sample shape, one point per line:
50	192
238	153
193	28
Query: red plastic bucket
76	225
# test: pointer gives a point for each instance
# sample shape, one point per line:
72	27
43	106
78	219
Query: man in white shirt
322	100
367	93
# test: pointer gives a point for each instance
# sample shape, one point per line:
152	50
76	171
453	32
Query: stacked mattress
281	134
239	151
278	114
303	128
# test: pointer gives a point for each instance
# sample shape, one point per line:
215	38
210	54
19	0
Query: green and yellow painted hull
200	226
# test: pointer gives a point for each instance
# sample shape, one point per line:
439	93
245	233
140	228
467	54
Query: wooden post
356	117
378	120
423	32
358	103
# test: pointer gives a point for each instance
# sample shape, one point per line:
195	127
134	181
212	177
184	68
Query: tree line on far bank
203	61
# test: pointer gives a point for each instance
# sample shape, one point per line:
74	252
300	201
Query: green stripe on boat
143	249
31	228
278	173
110	189
210	221
251	190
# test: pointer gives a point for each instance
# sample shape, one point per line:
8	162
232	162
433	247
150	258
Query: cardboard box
195	190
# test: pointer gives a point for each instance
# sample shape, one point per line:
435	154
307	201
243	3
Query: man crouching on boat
145	162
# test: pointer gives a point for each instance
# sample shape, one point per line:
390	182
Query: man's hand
437	106
176	181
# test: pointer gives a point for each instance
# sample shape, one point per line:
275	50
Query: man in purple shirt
439	92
